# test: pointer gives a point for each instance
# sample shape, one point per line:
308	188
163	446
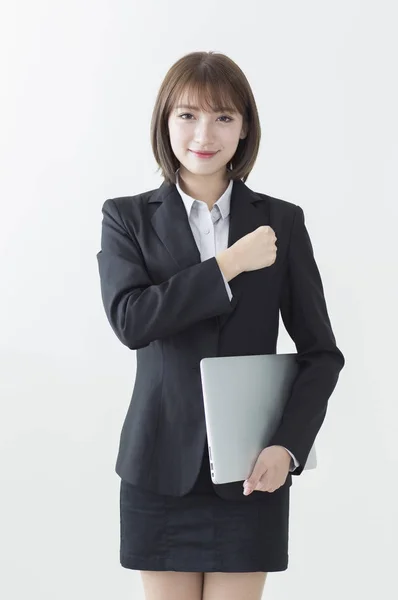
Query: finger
250	485
263	486
267	482
258	472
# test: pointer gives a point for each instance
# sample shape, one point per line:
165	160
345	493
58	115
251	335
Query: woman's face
193	130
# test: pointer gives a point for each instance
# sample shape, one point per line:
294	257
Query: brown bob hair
218	84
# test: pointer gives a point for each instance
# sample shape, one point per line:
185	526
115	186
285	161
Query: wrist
229	263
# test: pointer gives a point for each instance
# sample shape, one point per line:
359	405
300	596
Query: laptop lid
244	398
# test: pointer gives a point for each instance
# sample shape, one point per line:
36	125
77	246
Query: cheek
232	137
233	142
178	135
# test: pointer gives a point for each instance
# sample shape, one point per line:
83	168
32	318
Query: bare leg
233	586
172	585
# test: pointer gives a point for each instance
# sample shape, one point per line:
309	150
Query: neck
203	187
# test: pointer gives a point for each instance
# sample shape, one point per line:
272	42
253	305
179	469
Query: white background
79	80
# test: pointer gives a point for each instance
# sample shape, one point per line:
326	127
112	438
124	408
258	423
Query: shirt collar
223	202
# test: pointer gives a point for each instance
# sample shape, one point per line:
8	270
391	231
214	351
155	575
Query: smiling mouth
203	153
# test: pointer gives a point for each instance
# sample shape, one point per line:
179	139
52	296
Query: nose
203	133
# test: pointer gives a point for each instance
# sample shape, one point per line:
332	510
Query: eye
221	117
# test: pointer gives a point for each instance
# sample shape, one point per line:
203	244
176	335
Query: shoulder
128	209
283	215
281	211
278	204
125	204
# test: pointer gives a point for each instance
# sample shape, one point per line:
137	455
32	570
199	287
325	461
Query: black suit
161	300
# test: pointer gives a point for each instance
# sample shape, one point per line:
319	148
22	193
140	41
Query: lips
203	153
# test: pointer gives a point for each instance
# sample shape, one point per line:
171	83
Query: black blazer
162	301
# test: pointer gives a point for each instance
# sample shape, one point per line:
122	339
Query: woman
191	270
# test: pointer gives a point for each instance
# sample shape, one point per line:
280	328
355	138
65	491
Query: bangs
206	94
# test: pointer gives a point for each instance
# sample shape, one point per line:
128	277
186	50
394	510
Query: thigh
172	585
233	586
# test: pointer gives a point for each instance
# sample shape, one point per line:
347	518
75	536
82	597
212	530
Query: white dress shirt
210	229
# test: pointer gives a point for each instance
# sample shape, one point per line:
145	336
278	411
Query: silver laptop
244	398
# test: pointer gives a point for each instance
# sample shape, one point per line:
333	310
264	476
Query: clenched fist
256	249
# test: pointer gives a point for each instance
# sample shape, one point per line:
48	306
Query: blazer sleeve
139	311
305	316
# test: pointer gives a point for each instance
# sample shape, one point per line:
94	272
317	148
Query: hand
256	249
270	471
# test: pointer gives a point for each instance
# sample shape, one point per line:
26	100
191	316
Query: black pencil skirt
202	532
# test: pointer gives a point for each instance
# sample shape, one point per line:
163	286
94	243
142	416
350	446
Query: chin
204	166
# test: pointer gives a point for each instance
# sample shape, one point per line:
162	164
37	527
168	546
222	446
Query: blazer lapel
171	224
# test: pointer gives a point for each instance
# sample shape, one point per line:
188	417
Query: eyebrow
222	109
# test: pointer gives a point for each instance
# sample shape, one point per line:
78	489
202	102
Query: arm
139	311
304	313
